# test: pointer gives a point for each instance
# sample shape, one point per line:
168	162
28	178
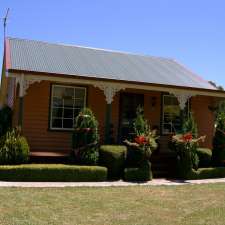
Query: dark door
128	105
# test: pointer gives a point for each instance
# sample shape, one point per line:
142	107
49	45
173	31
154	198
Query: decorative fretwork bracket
109	90
182	97
25	83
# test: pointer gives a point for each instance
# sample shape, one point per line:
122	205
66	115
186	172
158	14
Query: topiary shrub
142	173
218	153
14	148
113	157
190	126
185	147
205	157
206	173
135	156
85	138
140	150
5	120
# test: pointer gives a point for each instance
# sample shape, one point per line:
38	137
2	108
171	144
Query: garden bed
52	173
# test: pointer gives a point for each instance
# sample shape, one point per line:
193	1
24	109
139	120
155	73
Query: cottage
47	84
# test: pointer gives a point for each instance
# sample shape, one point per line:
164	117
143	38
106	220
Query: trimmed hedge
134	157
53	172
206	173
143	173
205	157
113	157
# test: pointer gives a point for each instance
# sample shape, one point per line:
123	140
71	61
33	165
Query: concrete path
154	182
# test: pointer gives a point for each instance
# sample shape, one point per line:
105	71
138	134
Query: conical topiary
190	126
218	154
85	138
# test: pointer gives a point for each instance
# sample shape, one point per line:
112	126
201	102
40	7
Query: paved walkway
154	182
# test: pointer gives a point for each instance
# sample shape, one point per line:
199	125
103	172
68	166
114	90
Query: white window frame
51	105
162	126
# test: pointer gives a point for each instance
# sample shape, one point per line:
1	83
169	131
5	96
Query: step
49	157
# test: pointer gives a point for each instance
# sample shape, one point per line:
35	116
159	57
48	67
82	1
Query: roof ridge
93	48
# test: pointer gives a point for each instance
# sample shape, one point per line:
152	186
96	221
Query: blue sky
191	31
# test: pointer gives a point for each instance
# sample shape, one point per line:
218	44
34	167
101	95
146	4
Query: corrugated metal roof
39	56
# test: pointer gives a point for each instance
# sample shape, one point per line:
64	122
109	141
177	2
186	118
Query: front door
128	105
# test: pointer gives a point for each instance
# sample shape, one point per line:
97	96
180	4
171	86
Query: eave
53	77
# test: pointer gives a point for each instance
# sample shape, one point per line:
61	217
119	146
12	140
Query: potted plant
185	147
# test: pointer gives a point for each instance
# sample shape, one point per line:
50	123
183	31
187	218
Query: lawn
190	204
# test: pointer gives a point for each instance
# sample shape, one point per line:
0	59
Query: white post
109	92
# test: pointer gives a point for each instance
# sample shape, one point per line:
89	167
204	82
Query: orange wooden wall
36	116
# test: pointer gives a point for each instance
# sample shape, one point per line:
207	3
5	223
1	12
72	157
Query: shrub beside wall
142	173
53	172
206	173
218	154
85	139
113	157
205	157
5	120
14	148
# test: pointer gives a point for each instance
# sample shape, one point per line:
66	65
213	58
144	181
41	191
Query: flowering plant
187	138
144	143
185	146
141	140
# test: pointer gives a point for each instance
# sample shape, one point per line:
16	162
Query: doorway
128	105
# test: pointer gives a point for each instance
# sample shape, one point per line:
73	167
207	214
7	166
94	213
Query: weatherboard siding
36	120
204	117
36	116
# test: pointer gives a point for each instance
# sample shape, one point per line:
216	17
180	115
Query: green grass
173	205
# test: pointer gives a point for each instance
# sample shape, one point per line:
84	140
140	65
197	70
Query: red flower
87	129
141	140
187	137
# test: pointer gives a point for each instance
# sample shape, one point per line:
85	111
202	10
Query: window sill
60	130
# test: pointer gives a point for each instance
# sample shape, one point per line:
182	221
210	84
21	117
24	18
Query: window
66	103
172	119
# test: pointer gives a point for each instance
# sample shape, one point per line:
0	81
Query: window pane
56	123
79	93
57	102
67	123
68	113
57	112
79	103
171	115
68	103
76	112
58	91
167	100
69	93
167	128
